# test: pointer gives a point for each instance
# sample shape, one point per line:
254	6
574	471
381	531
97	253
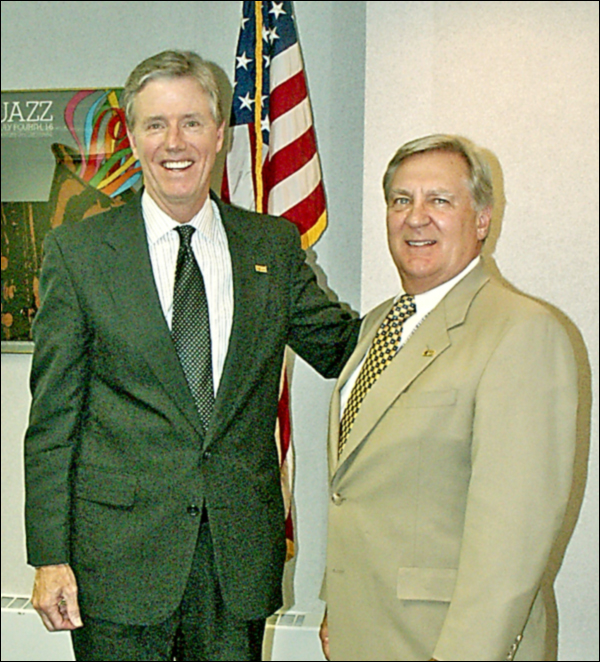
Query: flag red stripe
283	414
287	95
289	527
225	194
304	212
290	159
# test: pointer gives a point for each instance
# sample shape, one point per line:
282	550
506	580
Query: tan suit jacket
453	483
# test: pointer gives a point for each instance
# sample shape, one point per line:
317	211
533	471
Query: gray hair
172	64
480	176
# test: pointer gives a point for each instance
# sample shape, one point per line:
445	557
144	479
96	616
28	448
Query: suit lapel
128	272
368	331
422	349
250	294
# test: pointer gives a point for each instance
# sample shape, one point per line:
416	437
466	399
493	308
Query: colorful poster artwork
65	156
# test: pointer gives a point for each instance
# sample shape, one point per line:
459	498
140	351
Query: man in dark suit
153	506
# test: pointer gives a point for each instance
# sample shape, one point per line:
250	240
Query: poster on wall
65	156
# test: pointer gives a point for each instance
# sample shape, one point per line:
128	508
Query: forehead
436	169
171	95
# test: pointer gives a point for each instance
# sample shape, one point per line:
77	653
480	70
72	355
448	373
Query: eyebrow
442	191
187	116
429	193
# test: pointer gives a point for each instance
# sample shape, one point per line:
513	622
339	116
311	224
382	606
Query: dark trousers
200	629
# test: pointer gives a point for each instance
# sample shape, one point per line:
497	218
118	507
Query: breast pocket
430	399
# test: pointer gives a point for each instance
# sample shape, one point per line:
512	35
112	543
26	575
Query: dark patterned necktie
190	327
384	348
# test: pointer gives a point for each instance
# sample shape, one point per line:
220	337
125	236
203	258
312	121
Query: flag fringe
311	236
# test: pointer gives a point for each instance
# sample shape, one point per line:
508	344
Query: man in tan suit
450	461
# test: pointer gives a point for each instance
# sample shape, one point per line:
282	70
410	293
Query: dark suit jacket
117	464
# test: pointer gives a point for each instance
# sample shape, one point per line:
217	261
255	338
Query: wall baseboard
289	635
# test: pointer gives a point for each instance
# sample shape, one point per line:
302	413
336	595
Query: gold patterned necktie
384	348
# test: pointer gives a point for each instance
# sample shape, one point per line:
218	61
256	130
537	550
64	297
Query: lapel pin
428	353
261	268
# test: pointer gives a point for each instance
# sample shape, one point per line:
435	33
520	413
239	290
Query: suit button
337	499
193	511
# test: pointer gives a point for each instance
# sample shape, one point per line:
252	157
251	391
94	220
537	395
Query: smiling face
176	140
434	231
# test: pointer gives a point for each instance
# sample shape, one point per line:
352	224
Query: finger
57	617
73	614
323	635
46	621
51	618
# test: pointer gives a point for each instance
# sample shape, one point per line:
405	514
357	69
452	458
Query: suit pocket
431	584
105	487
429	398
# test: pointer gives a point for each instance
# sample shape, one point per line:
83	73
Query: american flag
273	165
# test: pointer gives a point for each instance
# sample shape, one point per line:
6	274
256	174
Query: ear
484	220
220	136
132	143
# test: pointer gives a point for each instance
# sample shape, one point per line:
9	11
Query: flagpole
258	107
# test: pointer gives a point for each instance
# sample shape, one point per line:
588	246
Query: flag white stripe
285	65
239	169
290	126
295	188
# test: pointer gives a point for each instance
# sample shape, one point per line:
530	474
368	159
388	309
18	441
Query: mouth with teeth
421	243
177	165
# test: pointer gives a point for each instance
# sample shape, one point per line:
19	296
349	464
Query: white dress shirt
211	250
425	303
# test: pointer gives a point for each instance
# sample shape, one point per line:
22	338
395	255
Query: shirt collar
159	223
427	301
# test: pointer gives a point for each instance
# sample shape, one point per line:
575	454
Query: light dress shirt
211	250
425	303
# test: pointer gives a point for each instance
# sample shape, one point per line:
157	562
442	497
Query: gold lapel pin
261	268
428	353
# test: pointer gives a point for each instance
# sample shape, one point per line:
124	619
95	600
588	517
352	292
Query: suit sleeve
321	332
58	386
522	458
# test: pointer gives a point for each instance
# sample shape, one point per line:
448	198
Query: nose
418	214
174	138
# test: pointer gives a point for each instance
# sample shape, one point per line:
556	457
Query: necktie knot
404	308
185	233
387	339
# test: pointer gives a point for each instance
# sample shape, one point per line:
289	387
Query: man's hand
54	597
324	635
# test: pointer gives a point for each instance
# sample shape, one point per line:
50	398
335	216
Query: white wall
520	79
16	578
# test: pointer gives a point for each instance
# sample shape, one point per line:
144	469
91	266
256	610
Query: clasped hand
54	597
